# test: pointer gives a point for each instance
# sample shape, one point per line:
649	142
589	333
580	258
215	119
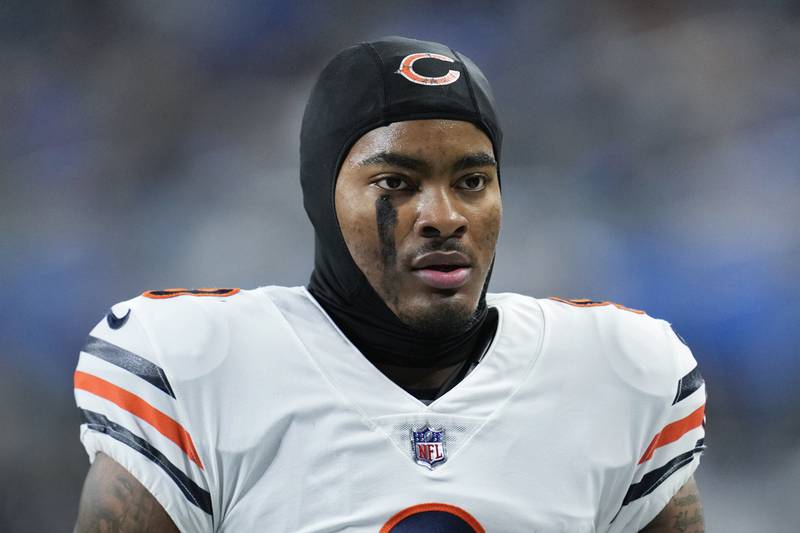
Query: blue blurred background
652	156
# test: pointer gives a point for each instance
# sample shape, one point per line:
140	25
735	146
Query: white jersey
251	411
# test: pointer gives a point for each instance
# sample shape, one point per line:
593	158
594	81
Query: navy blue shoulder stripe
193	492
651	480
131	362
688	384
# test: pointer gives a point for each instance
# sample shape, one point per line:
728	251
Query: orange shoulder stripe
674	431
137	406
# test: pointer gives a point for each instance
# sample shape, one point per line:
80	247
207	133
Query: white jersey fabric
253	412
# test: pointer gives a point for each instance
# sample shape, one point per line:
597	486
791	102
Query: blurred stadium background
652	157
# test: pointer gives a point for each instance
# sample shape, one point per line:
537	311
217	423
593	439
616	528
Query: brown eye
474	182
393	183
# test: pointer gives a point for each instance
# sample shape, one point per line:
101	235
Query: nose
439	214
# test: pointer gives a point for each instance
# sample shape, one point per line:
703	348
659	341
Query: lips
442	270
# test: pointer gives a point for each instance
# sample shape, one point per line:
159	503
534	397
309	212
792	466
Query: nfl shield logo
428	446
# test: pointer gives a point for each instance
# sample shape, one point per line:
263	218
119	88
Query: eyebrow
394	159
477	159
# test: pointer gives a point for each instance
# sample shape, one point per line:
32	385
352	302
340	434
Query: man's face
418	203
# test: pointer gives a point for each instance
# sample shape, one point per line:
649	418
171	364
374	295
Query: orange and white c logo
407	70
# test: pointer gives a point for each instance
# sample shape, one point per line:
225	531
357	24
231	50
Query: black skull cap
374	84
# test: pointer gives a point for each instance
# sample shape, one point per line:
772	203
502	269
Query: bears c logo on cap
407	70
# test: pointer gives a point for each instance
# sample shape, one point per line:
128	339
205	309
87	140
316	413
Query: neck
427	384
418	378
385	340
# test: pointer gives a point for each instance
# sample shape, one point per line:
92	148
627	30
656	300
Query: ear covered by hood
362	88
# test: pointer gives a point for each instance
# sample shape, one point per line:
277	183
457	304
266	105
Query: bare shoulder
113	500
683	513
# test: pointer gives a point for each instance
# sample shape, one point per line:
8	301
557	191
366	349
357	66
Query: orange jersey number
583	302
172	293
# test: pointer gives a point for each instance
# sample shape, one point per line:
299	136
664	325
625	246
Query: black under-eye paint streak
386	217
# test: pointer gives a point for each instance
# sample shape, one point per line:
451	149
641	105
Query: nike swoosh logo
115	322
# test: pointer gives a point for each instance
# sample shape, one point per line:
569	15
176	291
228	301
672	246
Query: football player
393	394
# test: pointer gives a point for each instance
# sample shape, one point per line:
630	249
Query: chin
440	314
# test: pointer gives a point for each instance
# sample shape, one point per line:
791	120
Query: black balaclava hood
365	87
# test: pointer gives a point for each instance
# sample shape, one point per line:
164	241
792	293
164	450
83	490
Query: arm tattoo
114	501
683	513
689	514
